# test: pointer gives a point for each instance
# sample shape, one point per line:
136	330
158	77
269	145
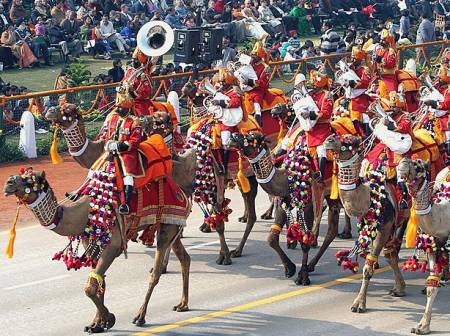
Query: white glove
111	146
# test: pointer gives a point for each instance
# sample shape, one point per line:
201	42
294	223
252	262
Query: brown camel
70	219
275	182
433	220
356	201
70	120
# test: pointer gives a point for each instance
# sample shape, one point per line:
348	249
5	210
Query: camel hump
157	157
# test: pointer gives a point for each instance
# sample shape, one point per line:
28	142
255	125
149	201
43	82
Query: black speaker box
186	45
211	42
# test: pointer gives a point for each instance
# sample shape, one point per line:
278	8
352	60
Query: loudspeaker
186	45
211	42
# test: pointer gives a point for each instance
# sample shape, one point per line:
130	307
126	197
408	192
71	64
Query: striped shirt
330	42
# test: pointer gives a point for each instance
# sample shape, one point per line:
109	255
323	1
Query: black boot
259	119
225	159
404	200
124	209
321	172
447	162
367	129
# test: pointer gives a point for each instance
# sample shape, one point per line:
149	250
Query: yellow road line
253	304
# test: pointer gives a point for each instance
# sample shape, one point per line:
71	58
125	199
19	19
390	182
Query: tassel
215	137
243	180
54	155
280	135
382	90
12	236
334	183
411	229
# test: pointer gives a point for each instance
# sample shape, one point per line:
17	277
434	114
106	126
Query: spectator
81	14
291	55
265	15
135	25
128	35
125	16
330	41
181	9
426	8
41	9
303	24
17	12
441	8
253	27
57	13
111	5
71	31
404	23
211	15
101	45
289	22
108	33
4	22
141	6
294	41
19	48
116	73
85	29
312	16
228	52
172	19
425	32
116	20
40	42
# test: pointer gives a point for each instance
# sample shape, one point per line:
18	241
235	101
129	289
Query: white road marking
37	282
194	247
6	232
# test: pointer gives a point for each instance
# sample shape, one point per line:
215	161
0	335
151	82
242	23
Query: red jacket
129	131
235	98
317	135
365	78
261	84
142	88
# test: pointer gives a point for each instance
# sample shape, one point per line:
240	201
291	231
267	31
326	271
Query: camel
70	219
275	182
355	198
184	168
432	216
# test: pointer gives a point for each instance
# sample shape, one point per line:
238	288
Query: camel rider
395	140
408	86
122	134
356	91
386	63
137	81
316	136
440	109
229	100
261	84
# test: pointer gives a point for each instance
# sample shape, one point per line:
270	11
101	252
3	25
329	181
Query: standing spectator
57	13
426	8
4	22
108	33
19	48
228	52
172	19
404	23
425	32
116	73
71	30
330	41
17	12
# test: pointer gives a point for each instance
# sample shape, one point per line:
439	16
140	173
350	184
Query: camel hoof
397	292
110	322
345	235
205	228
94	329
358	308
315	244
139	321
236	253
242	219
182	307
266	216
224	260
303	278
292	246
289	270
420	330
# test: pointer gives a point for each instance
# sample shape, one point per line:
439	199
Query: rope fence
96	100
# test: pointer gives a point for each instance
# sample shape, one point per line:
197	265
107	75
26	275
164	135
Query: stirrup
124	209
403	204
318	177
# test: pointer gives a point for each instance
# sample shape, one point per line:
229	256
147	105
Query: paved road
251	297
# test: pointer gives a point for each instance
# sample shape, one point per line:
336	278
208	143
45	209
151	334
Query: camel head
27	186
158	123
283	112
344	147
189	89
63	116
250	144
412	171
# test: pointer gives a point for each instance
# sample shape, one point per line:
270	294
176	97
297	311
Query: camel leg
166	235
244	217
359	304
251	216
269	212
333	224
432	289
274	241
224	254
347	231
391	254
185	261
95	287
303	274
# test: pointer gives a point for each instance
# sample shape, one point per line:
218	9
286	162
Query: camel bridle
262	166
75	139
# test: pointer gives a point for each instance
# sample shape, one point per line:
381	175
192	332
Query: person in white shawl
253	27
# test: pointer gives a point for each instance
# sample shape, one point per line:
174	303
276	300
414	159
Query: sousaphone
155	38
